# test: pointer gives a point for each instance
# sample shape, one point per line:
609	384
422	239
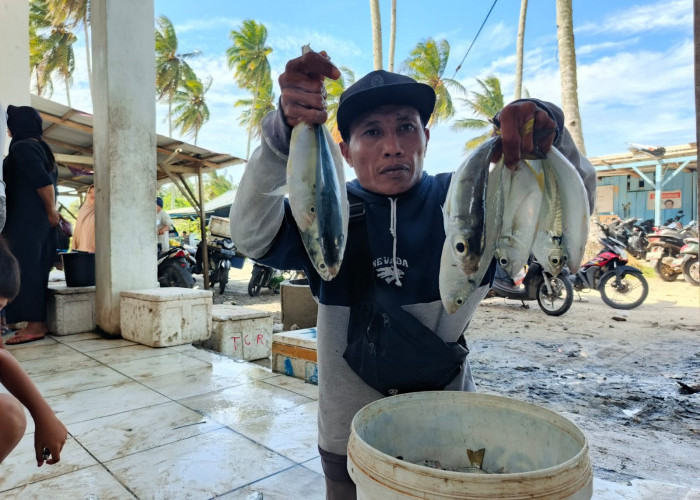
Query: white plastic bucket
543	455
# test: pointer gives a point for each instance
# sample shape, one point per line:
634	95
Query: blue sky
635	60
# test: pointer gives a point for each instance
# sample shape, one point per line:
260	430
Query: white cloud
663	15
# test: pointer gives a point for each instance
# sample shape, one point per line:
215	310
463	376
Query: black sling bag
388	347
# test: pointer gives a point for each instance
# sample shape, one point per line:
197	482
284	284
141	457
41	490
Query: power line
475	37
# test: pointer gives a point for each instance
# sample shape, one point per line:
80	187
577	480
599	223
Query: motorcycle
554	294
220	251
620	286
260	278
629	232
665	247
174	268
687	261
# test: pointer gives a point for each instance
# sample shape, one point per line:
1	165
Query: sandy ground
616	374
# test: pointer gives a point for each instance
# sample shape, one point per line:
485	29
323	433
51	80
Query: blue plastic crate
237	262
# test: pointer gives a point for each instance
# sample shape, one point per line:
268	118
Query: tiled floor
168	423
184	423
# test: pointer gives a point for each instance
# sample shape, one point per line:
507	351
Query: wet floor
186	423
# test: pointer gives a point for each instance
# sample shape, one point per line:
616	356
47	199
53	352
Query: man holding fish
382	328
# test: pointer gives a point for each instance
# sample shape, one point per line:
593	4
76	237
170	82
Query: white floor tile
295	483
249	402
295	385
35	351
91	483
197	468
292	433
128	353
173	362
89	345
103	401
20	468
57	365
134	431
78	380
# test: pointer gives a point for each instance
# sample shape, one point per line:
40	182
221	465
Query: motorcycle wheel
628	293
691	272
223	279
664	271
256	281
561	298
176	276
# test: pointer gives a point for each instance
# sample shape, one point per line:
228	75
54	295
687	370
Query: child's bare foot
35	330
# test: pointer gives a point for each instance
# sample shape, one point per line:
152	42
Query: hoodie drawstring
392	230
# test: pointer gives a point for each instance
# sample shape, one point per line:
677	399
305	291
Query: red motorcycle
620	286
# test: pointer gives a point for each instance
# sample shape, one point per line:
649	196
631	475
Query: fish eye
554	260
322	265
312	209
503	262
459	301
461	247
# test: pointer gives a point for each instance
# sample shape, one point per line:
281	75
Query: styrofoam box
162	317
70	309
240	332
220	226
294	354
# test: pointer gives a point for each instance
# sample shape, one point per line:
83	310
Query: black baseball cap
379	88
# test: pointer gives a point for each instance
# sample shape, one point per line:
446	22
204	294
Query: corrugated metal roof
620	164
69	133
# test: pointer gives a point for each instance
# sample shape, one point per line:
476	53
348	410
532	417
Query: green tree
51	48
255	108
483	105
191	111
426	64
215	185
172	70
334	88
39	24
247	57
75	13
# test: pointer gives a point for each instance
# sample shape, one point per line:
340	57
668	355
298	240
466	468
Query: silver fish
522	193
465	208
455	285
575	208
548	247
317	196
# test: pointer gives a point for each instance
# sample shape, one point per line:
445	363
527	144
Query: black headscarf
25	122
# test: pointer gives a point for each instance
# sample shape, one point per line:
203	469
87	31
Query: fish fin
280	191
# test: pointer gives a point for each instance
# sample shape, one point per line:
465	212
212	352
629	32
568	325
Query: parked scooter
687	261
220	253
554	294
665	247
260	278
174	268
620	286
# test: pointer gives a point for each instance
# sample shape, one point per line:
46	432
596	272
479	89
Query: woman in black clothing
31	177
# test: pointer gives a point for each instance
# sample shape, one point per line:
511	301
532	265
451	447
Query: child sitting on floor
49	433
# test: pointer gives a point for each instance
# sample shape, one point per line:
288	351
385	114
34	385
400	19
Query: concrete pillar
14	64
123	48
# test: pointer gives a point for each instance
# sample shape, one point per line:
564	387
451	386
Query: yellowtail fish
522	196
317	196
575	208
465	208
548	247
456	285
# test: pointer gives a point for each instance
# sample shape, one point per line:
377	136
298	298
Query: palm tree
484	106
248	58
74	13
334	88
216	185
172	70
255	108
60	58
191	111
427	65
519	50
392	36
38	45
567	72
376	33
